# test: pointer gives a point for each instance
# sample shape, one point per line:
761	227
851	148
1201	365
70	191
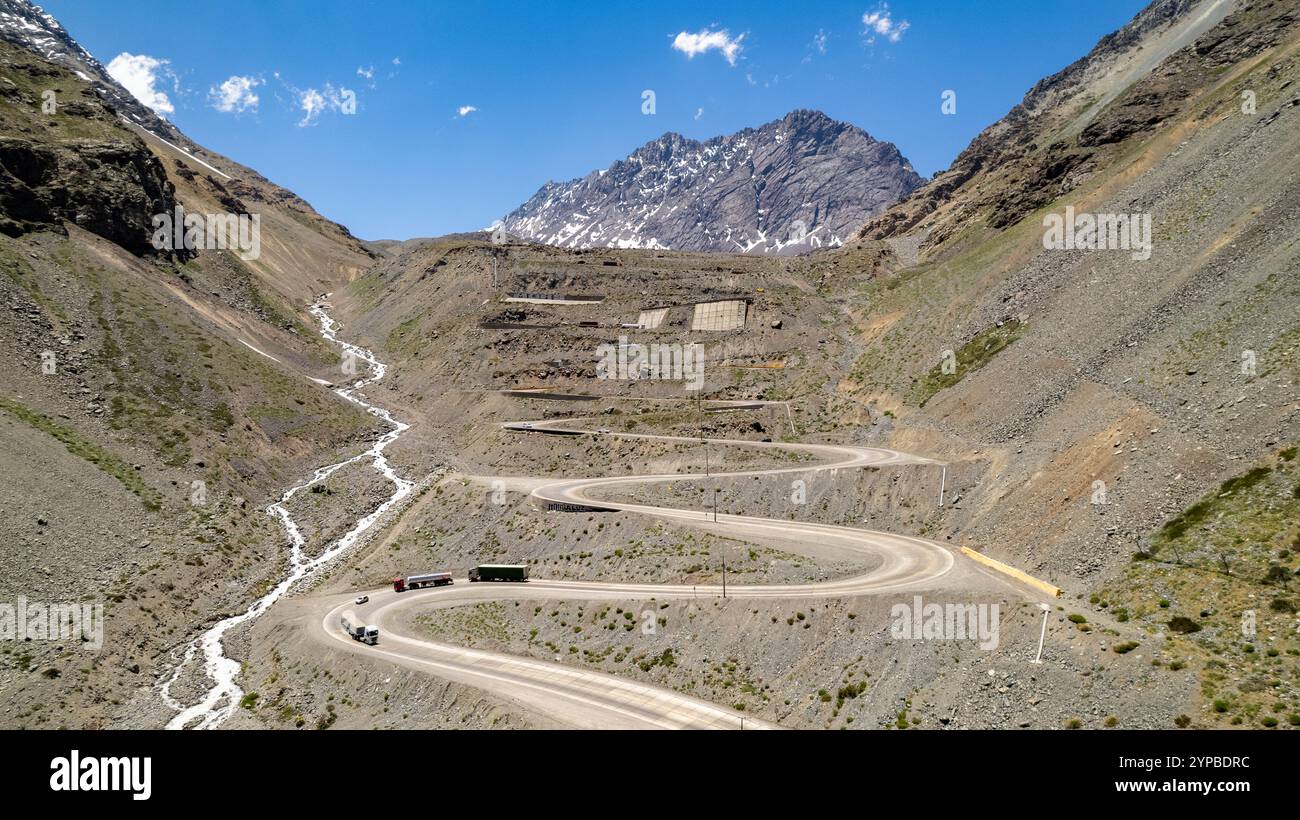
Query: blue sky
557	86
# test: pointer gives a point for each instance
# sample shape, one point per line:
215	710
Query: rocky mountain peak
802	182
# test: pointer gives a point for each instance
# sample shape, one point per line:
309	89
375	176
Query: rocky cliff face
109	189
73	162
792	185
79	148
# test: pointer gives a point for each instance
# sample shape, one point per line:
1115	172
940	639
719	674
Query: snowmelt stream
223	697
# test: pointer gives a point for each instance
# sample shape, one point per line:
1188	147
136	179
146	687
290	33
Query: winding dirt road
570	696
587	699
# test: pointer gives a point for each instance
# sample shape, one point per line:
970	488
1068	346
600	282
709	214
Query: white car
361	599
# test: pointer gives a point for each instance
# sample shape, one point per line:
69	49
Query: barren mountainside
147	415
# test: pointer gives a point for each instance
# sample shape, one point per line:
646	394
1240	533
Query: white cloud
140	74
465	110
367	73
817	46
704	41
880	23
235	95
315	102
699	112
397	61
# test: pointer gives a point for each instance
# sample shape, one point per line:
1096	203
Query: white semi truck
427	579
357	629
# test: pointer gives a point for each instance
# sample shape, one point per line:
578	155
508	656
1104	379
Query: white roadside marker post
943	481
1043	635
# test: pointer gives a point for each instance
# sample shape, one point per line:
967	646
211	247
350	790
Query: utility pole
706	459
724	575
716	490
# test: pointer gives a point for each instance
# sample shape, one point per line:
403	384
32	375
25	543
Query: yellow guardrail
1019	575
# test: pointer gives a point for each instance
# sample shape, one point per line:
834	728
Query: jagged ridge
747	192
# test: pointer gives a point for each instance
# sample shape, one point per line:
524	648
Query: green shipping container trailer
499	572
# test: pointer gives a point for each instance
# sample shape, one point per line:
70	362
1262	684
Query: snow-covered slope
798	183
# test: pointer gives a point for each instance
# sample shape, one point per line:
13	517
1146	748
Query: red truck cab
399	585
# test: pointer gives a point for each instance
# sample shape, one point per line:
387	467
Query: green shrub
852	690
